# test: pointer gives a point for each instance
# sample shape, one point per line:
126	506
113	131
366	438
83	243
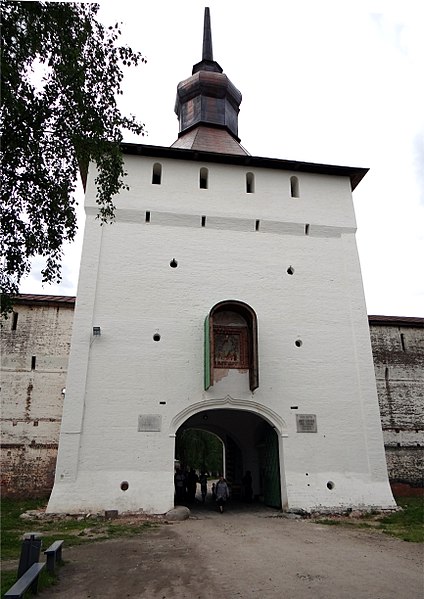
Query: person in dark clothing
192	481
203	479
222	493
179	482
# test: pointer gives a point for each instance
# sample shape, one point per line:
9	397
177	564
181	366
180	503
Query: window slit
203	178
294	187
157	174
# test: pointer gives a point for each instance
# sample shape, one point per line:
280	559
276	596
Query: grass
407	524
72	531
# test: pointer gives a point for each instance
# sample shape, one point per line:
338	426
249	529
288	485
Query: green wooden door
271	470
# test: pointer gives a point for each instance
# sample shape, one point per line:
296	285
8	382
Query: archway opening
249	455
199	449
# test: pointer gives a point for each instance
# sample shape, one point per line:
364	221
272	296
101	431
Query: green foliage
61	72
406	524
8	578
199	450
73	531
12	527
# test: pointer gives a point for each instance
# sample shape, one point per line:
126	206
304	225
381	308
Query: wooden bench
27	580
53	555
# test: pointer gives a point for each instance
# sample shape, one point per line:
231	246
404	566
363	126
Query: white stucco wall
128	288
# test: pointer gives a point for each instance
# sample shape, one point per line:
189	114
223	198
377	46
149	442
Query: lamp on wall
97	331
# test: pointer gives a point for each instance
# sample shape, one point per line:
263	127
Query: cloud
419	164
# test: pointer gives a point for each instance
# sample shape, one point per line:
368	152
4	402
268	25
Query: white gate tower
227	297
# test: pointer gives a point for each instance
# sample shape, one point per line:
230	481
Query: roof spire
207	63
207	105
207	37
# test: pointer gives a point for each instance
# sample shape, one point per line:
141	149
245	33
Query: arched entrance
252	441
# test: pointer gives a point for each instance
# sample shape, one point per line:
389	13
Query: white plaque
149	423
306	423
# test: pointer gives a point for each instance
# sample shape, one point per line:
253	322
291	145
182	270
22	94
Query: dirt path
243	554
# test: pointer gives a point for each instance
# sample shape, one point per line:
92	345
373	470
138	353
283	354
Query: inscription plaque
149	423
306	423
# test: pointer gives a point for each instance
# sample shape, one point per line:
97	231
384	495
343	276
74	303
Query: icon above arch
231	341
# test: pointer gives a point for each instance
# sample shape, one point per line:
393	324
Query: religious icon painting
230	345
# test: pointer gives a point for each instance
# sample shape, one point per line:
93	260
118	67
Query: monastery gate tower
227	297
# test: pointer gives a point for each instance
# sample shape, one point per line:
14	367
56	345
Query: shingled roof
400	321
209	139
32	298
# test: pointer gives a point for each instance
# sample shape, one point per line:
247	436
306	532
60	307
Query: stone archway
252	436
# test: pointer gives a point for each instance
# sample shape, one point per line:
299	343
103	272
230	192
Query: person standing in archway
179	481
222	493
203	479
192	481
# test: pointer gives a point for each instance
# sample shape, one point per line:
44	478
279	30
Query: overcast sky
334	82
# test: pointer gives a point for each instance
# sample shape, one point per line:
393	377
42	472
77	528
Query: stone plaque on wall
306	423
149	423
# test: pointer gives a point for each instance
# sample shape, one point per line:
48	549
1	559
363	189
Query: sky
332	82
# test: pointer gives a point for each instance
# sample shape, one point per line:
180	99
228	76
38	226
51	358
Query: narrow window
294	187
402	340
257	225
14	321
33	360
157	174
203	178
306	229
250	183
203	221
147	216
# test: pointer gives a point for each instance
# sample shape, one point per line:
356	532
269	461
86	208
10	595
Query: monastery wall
398	351
34	360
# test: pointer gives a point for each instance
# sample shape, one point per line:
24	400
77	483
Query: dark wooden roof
355	174
398	321
209	139
31	298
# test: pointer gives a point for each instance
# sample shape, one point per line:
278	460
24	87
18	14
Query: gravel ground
243	553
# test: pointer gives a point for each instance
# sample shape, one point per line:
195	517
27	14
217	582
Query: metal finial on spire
207	37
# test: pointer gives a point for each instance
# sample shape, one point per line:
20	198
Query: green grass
72	531
407	524
8	578
12	528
